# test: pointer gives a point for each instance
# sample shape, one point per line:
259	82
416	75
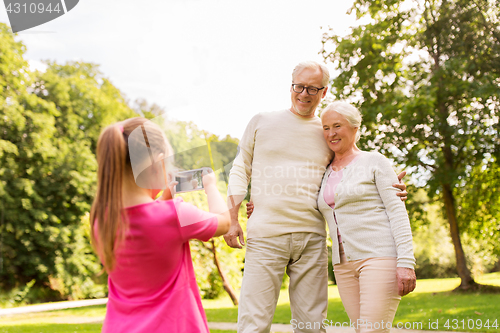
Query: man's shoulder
285	115
269	116
272	114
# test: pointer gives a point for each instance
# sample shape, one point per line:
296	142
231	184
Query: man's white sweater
285	156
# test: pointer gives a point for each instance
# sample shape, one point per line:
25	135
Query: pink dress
153	287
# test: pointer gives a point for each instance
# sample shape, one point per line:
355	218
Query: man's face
304	104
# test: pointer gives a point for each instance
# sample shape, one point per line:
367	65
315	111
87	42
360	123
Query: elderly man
285	155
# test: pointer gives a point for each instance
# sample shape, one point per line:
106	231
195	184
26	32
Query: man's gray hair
312	65
350	112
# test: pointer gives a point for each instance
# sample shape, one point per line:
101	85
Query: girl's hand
169	192
208	177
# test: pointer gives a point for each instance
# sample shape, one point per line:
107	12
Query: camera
191	180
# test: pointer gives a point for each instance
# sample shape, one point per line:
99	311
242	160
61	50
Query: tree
425	75
149	111
27	123
191	147
87	101
49	124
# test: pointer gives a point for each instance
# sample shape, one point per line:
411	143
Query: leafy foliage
29	228
50	124
425	75
191	151
479	204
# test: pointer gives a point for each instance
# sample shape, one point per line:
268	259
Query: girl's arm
216	203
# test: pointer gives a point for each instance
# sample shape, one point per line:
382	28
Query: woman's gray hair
350	112
312	65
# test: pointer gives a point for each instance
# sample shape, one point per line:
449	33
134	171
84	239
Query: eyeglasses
298	88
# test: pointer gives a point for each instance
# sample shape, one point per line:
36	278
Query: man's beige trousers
305	258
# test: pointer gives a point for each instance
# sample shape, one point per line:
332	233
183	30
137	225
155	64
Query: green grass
89	313
52	328
434	304
430	304
64	328
429	307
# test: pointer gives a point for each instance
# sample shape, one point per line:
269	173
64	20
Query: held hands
407	281
402	186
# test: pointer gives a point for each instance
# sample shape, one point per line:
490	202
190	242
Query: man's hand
407	281
234	234
402	186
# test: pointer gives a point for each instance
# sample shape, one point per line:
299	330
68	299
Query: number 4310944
470	324
32	8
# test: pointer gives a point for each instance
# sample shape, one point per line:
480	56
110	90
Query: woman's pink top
153	287
329	193
331	185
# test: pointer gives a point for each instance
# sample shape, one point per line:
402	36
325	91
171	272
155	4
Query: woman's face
338	133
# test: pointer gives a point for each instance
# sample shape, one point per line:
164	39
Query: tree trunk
497	266
466	280
225	280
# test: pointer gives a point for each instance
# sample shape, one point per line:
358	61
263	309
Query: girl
143	243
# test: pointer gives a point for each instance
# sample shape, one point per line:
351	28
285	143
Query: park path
52	306
277	328
284	328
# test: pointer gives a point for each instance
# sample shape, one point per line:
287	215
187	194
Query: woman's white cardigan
372	220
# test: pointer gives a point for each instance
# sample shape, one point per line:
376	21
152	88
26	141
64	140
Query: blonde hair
312	65
350	112
114	165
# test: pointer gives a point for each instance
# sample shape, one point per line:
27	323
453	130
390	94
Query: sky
216	63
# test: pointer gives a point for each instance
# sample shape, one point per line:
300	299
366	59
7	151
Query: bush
77	274
434	251
435	254
78	268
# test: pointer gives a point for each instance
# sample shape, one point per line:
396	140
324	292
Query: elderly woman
372	249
